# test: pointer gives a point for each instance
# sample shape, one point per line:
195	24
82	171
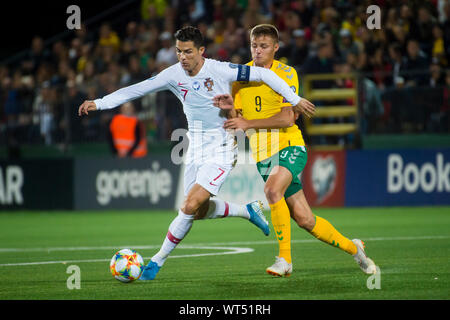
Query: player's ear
201	50
276	47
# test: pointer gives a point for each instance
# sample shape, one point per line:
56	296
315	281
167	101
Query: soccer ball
126	265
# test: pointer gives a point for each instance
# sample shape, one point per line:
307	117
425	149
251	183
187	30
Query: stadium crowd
39	95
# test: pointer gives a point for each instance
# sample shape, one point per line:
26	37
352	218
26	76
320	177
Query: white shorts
210	176
209	162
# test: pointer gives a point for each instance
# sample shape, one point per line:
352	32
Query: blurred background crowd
405	65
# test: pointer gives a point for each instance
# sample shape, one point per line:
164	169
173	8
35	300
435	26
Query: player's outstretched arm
118	97
86	107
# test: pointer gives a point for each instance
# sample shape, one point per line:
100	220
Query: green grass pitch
225	258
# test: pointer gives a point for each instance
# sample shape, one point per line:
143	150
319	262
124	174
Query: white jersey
196	94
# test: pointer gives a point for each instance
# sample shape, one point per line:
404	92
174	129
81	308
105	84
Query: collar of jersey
252	64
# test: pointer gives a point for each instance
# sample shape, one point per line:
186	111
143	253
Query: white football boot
365	263
280	268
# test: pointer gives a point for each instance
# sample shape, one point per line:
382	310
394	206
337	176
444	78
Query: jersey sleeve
112	100
244	73
292	81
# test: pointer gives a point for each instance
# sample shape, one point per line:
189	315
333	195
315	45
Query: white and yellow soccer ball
126	265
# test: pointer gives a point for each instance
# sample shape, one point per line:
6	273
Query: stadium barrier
36	184
109	183
396	177
89	183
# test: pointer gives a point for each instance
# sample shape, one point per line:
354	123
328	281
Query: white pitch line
237	243
229	250
211	246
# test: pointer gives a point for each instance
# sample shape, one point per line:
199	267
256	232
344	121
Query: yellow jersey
259	101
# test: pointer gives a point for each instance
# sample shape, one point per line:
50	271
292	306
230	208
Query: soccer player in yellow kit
279	149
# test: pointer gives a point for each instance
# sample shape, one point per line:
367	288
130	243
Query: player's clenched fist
86	107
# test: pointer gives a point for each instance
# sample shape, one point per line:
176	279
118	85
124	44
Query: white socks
182	223
221	209
178	229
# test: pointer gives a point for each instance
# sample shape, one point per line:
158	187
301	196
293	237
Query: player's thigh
300	210
290	159
278	181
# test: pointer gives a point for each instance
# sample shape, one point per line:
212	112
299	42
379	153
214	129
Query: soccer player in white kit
212	150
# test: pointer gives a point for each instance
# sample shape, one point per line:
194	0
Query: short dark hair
190	34
265	30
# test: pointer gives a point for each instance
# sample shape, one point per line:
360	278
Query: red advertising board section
323	178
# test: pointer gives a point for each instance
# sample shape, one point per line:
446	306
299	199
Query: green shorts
292	158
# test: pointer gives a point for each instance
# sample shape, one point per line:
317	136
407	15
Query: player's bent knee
191	206
306	222
273	195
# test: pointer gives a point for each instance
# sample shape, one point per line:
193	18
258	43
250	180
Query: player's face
190	57
263	50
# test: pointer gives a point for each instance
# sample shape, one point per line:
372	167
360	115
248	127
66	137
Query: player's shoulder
279	67
214	63
171	71
284	71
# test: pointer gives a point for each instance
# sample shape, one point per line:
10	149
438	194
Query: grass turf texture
410	245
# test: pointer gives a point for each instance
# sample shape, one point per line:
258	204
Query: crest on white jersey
209	83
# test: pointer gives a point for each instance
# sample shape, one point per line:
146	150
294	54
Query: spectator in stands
347	45
13	104
127	134
85	37
166	54
438	46
232	28
38	54
299	51
314	34
43	109
416	63
446	29
437	77
71	122
153	9
108	37
422	30
304	12
323	62
134	73
234	45
130	42
379	68
445	109
397	61
406	20
233	8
